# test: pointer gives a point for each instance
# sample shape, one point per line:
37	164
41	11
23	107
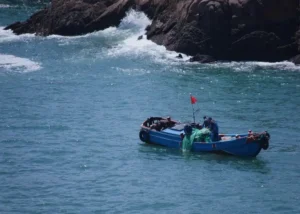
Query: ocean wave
122	41
9	36
5	6
252	66
18	64
135	19
144	48
132	47
107	31
132	21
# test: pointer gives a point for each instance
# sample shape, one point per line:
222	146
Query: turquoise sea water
70	111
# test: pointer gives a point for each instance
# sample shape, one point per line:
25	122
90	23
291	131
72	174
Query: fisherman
205	122
157	126
213	127
166	123
188	139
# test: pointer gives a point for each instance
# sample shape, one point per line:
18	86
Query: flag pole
193	113
192	107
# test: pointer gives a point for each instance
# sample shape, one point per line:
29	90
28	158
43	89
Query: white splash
108	32
9	36
135	19
132	72
122	41
4	6
18	64
253	66
132	47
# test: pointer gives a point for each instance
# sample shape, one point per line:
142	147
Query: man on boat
205	122
213	127
162	124
157	126
166	123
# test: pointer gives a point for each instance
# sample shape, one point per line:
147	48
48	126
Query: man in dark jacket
213	127
205	122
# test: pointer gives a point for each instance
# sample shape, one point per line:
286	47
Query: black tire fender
264	141
265	145
144	136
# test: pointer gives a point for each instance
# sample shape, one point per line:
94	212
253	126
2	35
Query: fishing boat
170	133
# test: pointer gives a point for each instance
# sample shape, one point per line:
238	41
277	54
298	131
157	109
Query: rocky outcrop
264	30
296	59
28	2
202	58
228	29
74	17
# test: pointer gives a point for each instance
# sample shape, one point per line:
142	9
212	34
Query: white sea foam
144	48
108	31
18	64
9	36
253	66
133	72
134	19
122	41
133	22
122	31
4	6
111	33
132	47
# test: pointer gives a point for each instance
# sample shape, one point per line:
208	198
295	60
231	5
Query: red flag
193	100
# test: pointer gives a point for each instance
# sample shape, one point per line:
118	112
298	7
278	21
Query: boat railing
158	123
150	121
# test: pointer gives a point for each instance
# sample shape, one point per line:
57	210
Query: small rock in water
148	27
296	60
179	56
202	58
140	37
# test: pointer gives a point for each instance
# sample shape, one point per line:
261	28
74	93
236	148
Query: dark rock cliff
74	17
264	30
228	29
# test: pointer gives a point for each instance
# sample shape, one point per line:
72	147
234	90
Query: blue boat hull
237	147
243	145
